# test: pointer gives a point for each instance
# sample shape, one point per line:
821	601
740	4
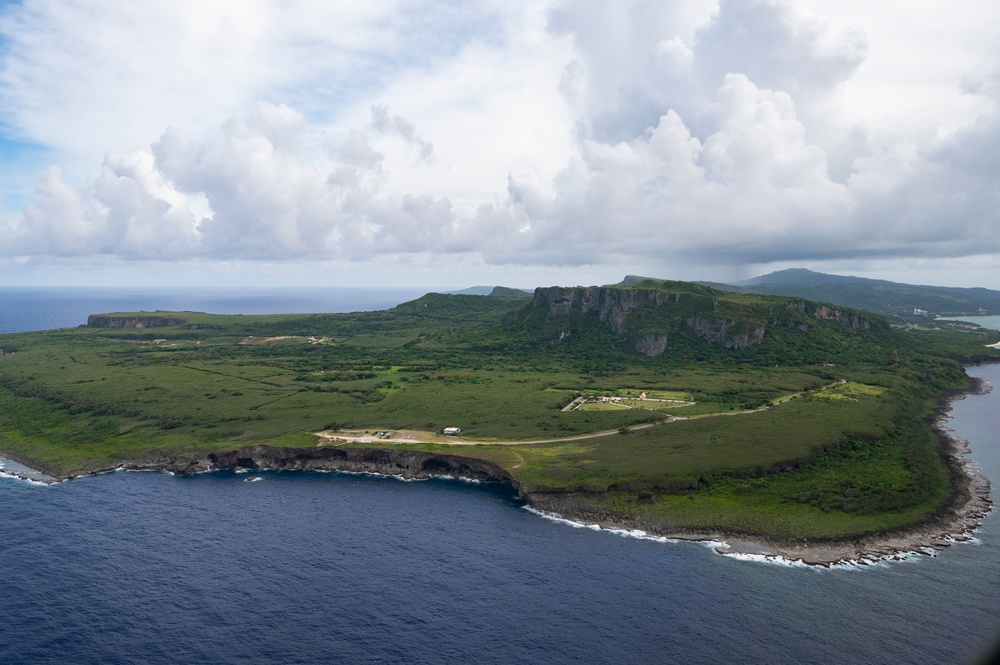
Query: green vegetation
877	295
807	421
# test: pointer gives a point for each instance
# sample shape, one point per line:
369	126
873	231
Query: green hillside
882	296
671	402
685	320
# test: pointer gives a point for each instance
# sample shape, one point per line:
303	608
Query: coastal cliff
385	461
954	521
111	321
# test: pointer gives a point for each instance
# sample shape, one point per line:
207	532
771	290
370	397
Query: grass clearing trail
417	436
520	460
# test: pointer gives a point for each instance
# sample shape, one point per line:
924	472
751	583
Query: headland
667	408
954	522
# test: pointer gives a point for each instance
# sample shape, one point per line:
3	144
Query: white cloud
82	74
581	133
742	173
60	222
753	184
401	127
264	200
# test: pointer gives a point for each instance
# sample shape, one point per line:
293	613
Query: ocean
306	567
44	308
990	322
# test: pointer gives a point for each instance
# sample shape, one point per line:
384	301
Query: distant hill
505	291
802	276
508	292
891	299
875	295
632	280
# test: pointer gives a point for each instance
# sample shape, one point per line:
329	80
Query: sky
523	143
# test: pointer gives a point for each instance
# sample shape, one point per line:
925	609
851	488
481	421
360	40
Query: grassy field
797	450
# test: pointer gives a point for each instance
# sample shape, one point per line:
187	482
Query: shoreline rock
22	468
407	464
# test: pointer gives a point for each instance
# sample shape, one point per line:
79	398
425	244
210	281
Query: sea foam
14	476
717	547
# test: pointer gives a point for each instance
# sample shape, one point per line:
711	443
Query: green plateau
671	404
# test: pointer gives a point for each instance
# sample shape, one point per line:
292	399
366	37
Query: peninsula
671	407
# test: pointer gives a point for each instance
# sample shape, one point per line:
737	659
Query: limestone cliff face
613	305
616	307
651	345
850	320
726	333
105	321
656	318
828	313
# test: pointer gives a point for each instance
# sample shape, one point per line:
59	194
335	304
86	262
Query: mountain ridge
893	299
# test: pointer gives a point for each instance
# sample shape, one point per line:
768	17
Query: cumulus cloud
124	71
258	195
401	127
702	132
59	222
753	185
779	47
742	172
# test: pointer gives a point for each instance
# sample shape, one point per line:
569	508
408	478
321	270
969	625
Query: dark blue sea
334	568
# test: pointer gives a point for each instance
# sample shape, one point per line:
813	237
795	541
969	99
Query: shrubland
807	420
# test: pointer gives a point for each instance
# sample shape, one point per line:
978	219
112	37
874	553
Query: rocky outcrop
651	345
827	313
646	316
387	461
613	305
726	333
849	319
105	321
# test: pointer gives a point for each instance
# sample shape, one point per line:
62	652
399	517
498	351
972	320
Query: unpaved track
338	439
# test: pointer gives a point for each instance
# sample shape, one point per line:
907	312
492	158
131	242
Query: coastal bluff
385	461
113	321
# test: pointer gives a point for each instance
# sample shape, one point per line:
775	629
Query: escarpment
612	305
645	316
111	321
827	313
688	321
727	333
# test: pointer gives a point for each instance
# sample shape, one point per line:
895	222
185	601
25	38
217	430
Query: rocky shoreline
955	522
11	468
